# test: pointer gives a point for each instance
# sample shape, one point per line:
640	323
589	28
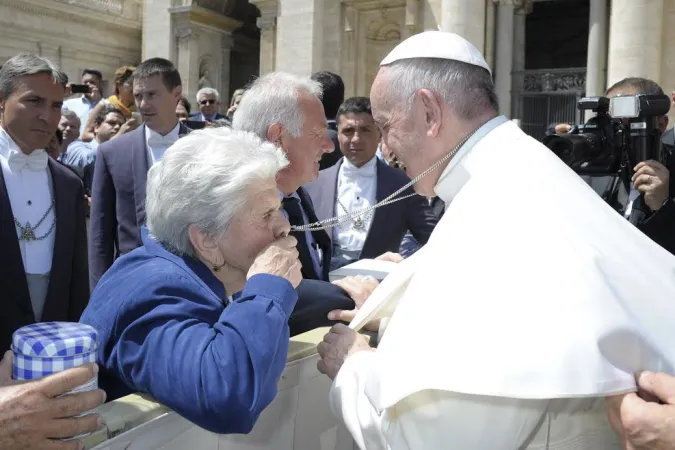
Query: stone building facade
75	34
545	54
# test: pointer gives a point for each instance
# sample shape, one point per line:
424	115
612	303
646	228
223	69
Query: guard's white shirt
156	144
356	190
30	195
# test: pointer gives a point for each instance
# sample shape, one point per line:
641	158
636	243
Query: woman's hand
279	258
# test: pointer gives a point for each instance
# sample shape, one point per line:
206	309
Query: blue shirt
314	250
164	329
79	155
82	107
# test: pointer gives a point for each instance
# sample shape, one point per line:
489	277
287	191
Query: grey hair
65	112
468	89
208	91
274	98
202	180
25	64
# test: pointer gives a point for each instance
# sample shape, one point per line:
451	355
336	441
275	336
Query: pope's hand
652	179
34	417
281	259
339	344
645	425
390	256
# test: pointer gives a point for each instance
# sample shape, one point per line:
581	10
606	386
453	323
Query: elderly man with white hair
532	300
198	315
286	109
208	102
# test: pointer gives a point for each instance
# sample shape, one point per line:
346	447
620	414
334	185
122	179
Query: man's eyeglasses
207	102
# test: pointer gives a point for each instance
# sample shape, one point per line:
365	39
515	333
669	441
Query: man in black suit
43	247
120	172
360	180
333	94
208	102
285	109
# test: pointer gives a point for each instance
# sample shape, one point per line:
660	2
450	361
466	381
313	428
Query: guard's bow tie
157	140
36	161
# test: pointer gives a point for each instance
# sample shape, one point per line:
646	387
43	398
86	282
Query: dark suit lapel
320	236
325	208
139	167
380	215
64	212
12	271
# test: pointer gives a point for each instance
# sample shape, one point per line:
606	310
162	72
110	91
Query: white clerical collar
173	134
351	171
447	187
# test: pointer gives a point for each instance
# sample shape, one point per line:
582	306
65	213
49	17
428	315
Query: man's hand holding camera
652	179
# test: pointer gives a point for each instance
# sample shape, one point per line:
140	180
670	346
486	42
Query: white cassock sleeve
432	418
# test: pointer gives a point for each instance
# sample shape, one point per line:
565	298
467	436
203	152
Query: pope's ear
433	112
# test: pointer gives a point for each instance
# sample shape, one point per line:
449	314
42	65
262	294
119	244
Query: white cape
530	287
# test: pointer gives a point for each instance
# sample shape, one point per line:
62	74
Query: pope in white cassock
532	301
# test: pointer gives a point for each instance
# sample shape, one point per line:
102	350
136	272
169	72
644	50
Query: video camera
623	133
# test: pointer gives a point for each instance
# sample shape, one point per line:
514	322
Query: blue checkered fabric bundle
42	349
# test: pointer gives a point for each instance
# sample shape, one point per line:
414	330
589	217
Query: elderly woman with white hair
198	316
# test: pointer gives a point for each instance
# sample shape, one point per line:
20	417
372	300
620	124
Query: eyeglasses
207	102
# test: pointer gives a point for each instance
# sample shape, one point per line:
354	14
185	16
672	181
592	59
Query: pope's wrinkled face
402	132
255	226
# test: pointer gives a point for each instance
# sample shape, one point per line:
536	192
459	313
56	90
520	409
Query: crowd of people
194	243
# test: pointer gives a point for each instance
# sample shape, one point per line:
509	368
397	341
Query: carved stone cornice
520	6
269	11
203	16
370	5
78	14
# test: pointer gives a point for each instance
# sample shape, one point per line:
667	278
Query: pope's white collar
447	187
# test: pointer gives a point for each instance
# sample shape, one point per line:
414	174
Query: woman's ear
206	248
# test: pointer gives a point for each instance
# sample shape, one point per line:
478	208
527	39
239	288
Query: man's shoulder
122	142
65	174
196	116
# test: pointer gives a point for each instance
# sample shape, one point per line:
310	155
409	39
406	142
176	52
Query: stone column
596	58
412	19
519	23
635	39
267	22
157	28
504	54
300	36
466	18
187	55
489	52
349	46
226	43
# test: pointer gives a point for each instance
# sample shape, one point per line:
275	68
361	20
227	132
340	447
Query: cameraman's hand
651	178
281	259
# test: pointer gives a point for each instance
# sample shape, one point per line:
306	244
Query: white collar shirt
356	190
156	144
30	196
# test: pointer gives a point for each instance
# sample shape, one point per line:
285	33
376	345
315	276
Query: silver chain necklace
28	231
342	218
358	223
